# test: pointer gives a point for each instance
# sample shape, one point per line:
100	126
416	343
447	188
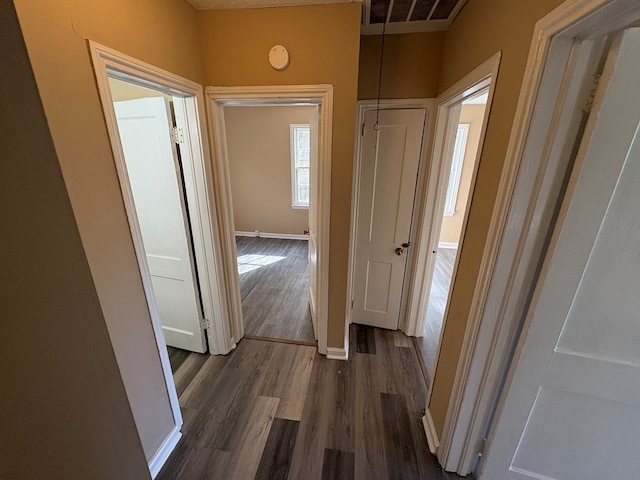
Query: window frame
455	172
295	203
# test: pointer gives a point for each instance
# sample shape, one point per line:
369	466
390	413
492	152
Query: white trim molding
431	432
218	99
338	353
284	236
163	452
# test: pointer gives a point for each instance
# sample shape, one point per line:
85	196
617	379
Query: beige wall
323	42
452	226
481	29
160	32
258	142
121	91
63	409
411	65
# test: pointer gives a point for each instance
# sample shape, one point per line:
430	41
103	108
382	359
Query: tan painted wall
411	65
323	42
160	32
261	168
64	410
452	226
481	29
121	90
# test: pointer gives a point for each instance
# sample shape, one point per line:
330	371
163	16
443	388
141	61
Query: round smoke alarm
279	57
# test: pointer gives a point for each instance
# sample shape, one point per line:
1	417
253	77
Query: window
456	170
300	157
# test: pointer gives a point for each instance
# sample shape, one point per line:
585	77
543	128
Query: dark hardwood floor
428	343
280	411
274	288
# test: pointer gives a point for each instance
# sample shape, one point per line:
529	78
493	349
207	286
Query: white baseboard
335	353
430	431
448	245
284	236
162	454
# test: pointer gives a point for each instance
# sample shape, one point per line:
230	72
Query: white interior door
572	405
313	221
388	170
144	126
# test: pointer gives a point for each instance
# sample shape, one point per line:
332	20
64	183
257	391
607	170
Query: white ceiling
215	4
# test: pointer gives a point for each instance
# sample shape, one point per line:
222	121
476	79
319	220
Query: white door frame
436	189
365	106
202	210
218	98
556	86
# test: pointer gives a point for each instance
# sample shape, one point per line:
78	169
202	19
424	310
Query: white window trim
294	178
457	163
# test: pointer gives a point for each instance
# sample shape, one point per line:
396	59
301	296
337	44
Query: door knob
399	251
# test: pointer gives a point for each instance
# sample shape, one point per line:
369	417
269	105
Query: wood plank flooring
280	411
274	287
438	297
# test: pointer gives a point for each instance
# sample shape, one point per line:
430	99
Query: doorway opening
315	181
389	153
462	139
150	141
272	154
162	123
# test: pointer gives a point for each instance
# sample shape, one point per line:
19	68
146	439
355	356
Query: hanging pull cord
376	126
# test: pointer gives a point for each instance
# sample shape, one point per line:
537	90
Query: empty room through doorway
463	139
271	151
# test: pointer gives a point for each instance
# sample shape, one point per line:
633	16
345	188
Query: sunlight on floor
248	263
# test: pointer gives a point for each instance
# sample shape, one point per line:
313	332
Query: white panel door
144	126
313	221
572	407
388	171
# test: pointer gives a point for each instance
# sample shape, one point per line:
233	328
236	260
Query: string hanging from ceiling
376	126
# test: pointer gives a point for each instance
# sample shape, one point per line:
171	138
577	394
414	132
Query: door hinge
483	445
592	94
177	135
363	128
205	323
352	302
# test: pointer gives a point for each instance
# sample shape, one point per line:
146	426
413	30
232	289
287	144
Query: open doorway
460	153
320	97
270	152
150	142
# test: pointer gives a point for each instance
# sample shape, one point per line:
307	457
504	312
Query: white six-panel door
144	127
388	170
572	405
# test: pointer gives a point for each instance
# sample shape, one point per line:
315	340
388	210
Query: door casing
202	210
365	106
321	95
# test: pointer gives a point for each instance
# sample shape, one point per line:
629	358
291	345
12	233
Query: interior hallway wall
160	32
259	148
64	412
323	42
411	67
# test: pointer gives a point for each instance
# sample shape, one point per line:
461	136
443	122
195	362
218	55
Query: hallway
276	411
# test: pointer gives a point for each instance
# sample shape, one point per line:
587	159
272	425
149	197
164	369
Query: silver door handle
399	251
